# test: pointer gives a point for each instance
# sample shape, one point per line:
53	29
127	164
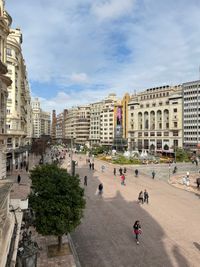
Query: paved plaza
170	222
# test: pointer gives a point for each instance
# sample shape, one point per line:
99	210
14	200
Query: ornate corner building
5	82
155	119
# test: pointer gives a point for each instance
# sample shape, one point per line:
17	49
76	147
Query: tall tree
57	199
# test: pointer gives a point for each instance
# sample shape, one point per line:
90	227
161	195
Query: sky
79	51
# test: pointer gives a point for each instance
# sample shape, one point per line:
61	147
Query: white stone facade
5	23
18	103
155	119
41	120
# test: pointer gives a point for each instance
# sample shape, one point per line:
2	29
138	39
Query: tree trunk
59	242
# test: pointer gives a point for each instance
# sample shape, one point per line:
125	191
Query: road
170	222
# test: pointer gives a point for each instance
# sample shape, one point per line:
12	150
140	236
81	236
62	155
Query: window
159	134
175	109
175	133
8	52
175	124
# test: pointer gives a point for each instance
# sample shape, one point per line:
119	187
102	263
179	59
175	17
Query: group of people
143	197
91	165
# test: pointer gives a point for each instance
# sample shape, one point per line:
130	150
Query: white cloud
64	100
79	78
112	9
119	45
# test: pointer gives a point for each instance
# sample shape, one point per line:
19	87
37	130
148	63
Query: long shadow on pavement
105	238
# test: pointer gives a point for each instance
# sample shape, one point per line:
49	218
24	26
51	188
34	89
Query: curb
76	259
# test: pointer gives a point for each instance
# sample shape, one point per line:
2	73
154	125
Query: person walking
100	187
137	230
136	173
146	196
122	179
114	171
93	166
141	197
90	165
85	180
102	168
153	174
125	170
120	171
18	178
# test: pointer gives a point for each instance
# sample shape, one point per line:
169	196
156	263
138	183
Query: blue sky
78	51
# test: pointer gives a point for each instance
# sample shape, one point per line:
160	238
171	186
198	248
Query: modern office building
155	119
191	115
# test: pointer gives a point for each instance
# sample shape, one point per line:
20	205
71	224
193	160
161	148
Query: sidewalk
21	192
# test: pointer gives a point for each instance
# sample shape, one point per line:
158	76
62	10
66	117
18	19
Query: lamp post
169	170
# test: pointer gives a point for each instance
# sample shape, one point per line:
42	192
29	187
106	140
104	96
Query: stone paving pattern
170	222
21	191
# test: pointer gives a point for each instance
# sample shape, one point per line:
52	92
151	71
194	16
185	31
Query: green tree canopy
181	155
57	199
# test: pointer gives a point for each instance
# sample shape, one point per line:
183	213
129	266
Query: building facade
7	223
95	123
18	103
5	82
155	119
60	125
107	120
191	115
82	125
41	120
69	123
45	123
53	125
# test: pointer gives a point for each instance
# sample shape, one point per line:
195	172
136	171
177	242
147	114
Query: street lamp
169	170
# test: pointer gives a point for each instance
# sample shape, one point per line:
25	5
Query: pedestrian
92	165
120	171
124	169
18	178
153	174
122	179
21	165
27	167
136	173
102	168
114	171
146	196
137	230
100	187
141	197
85	180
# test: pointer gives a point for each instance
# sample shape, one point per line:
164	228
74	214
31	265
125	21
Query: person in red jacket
122	179
137	230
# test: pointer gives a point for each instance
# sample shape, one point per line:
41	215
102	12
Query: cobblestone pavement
170	222
21	191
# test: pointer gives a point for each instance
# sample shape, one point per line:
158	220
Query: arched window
146	120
